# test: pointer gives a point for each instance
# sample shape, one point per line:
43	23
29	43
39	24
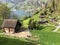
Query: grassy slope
46	36
35	17
4	40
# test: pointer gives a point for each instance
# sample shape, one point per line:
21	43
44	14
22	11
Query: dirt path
23	34
56	28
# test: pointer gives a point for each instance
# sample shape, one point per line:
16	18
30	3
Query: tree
4	11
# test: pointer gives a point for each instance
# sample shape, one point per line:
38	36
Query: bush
32	24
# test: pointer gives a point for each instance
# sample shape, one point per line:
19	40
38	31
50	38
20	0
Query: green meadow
45	37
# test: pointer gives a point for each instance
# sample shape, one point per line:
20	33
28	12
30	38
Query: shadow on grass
9	41
40	27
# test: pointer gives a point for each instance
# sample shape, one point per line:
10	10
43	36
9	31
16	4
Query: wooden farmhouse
11	26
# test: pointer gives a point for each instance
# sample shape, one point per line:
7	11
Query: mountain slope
35	17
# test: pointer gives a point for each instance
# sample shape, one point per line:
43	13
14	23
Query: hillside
51	11
35	17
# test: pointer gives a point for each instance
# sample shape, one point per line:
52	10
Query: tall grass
46	36
13	41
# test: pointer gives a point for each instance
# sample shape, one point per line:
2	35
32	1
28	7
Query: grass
46	36
35	17
58	31
25	22
1	31
4	40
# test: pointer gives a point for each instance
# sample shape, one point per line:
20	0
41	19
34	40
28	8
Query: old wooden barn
11	25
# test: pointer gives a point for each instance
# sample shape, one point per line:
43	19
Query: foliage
32	24
4	11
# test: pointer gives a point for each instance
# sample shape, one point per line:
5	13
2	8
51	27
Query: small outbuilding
11	25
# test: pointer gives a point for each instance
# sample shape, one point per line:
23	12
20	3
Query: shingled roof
9	23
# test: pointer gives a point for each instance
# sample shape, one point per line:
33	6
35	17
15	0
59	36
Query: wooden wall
9	30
